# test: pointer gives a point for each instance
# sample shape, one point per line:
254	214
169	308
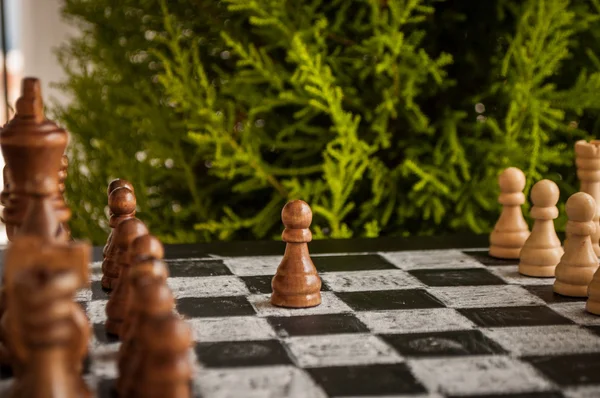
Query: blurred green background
387	117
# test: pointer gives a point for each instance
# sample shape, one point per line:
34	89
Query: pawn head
296	215
145	247
512	180
545	193
119	183
121	201
127	231
580	207
155	298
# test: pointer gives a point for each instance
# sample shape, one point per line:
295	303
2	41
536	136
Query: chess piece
296	283
121	202
60	203
142	253
166	371
542	250
146	271
576	268
127	212
511	230
587	159
124	234
593	302
32	147
153	300
51	342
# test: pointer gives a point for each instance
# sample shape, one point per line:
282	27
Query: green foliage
220	112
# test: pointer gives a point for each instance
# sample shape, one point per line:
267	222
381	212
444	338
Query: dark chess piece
127	212
166	371
60	203
123	236
121	203
296	283
47	334
32	147
153	300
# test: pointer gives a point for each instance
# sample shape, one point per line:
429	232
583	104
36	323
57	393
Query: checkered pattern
444	323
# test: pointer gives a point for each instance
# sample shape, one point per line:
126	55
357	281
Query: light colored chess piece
511	231
593	303
577	266
542	250
587	159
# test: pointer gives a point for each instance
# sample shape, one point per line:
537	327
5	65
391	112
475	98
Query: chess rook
296	283
511	231
542	250
577	266
124	234
32	147
121	203
587	159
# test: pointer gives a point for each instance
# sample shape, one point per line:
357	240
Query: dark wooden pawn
124	234
153	300
296	283
166	371
114	184
121	202
64	213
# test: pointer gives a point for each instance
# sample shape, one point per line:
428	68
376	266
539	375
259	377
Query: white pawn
576	268
542	250
511	231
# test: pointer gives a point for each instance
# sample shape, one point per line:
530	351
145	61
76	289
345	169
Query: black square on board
242	353
594	329
261	284
98	293
355	262
199	307
546	293
390	300
307	325
107	388
190	268
6	372
514	316
454	343
484	258
457	277
385	379
569	370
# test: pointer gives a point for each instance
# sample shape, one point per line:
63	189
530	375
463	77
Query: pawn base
539	271
509	253
296	301
593	307
566	289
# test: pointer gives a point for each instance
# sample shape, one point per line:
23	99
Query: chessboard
404	319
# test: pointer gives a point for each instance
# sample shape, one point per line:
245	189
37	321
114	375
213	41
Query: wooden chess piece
296	283
124	234
593	302
542	251
511	231
587	160
5	191
32	147
153	300
142	253
166	371
127	212
60	203
51	343
577	266
146	271
122	203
